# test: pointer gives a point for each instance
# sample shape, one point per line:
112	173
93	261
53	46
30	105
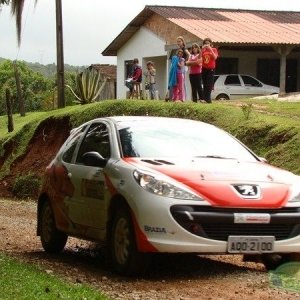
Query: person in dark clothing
135	75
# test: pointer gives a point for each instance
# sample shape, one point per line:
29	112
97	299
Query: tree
35	88
17	10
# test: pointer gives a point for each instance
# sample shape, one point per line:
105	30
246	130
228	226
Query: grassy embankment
270	128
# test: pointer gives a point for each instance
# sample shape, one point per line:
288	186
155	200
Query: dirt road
174	277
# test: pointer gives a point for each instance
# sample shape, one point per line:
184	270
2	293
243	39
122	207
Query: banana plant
89	83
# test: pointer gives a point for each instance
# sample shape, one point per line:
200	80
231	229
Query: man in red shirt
209	57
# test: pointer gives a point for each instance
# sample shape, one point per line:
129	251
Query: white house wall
145	46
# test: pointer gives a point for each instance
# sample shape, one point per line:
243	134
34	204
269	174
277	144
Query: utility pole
60	56
19	91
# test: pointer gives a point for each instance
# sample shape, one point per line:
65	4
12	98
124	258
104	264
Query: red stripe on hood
212	180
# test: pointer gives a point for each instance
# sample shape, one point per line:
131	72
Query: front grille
215	228
243	210
222	231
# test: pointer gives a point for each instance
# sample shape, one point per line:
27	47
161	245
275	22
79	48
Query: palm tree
16	10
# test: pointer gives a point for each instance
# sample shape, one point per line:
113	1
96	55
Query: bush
26	186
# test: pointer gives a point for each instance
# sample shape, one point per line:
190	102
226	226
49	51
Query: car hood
214	179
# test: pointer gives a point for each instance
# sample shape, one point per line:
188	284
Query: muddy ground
182	277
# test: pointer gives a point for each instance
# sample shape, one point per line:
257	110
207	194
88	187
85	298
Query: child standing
150	78
178	93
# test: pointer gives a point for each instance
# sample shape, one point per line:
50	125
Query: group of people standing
136	74
201	63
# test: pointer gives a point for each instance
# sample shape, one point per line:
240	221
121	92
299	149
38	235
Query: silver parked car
235	86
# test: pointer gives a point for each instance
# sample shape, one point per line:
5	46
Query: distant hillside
50	69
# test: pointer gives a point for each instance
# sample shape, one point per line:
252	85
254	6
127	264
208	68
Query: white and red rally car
151	184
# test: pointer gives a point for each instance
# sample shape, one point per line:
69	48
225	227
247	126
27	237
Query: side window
232	80
71	145
250	81
96	139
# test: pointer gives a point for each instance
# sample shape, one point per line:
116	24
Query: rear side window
250	81
232	80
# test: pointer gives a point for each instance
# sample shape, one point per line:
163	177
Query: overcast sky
91	25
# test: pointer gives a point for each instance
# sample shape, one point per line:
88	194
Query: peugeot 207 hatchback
142	185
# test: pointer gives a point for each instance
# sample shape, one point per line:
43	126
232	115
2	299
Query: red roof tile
236	26
223	26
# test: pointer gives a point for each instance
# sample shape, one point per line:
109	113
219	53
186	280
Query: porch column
283	51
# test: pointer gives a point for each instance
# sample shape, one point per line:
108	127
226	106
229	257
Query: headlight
161	187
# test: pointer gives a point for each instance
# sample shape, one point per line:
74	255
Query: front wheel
272	261
125	258
53	240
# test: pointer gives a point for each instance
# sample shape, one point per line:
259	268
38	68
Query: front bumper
219	223
205	229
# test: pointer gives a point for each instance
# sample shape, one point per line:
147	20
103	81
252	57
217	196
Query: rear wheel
53	240
125	258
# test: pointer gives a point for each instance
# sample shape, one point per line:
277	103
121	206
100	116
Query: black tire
53	240
272	261
124	256
222	97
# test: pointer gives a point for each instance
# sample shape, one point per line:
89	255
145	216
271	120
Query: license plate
250	244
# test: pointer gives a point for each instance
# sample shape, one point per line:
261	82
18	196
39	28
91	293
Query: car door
233	86
87	206
253	87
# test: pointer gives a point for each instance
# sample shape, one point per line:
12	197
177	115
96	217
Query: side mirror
94	159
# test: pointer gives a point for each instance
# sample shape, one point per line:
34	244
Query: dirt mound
48	138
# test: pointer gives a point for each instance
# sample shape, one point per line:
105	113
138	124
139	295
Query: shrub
26	186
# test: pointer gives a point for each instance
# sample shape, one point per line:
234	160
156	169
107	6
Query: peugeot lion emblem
248	191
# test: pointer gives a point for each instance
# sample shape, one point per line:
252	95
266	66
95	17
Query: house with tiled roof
265	44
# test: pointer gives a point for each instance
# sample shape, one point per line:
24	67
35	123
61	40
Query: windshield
179	138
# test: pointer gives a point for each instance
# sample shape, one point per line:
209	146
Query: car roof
154	119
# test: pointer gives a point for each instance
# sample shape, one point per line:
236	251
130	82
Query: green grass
21	281
270	128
